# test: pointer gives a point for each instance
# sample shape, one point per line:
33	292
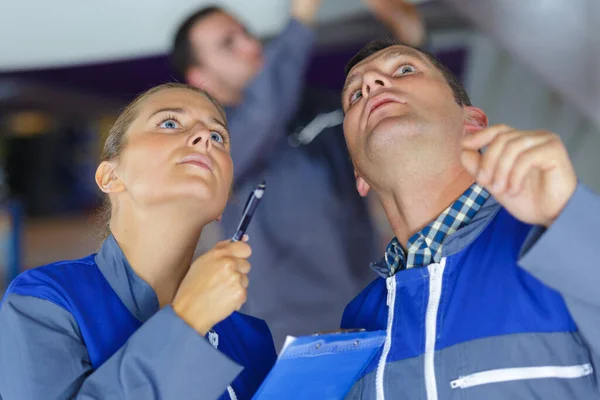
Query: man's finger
512	150
471	160
492	156
524	164
478	140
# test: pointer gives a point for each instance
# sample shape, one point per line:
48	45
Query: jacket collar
460	239
139	298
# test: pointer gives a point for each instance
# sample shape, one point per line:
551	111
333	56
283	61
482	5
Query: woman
130	322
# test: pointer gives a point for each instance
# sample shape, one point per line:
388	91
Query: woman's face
177	152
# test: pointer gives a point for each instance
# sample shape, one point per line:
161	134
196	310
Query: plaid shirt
425	247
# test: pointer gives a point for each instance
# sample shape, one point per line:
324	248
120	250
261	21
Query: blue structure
11	214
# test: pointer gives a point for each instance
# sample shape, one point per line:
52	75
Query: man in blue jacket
489	289
312	235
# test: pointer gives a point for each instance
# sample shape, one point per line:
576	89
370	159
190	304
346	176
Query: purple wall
125	79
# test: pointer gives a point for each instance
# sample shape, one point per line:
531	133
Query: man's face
399	112
228	55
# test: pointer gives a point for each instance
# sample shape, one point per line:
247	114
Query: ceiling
557	39
88	73
46	34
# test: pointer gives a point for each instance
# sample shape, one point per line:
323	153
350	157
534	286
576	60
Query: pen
249	209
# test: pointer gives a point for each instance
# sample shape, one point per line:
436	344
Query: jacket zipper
436	272
231	393
518	374
390	284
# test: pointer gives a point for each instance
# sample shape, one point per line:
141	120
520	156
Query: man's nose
373	80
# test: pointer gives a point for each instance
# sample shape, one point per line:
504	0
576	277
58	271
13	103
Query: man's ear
475	120
107	179
361	185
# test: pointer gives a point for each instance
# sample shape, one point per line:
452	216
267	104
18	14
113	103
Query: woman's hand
214	287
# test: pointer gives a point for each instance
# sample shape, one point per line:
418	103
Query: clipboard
320	366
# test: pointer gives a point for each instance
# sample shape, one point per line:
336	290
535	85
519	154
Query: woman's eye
169	124
217	137
406	69
355	96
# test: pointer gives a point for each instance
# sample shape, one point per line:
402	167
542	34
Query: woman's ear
361	185
107	179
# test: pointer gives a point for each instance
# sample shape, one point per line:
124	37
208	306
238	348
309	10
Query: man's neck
231	101
159	247
412	205
228	98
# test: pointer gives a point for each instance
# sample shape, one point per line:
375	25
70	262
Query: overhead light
28	123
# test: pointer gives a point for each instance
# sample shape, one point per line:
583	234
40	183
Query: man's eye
355	96
406	69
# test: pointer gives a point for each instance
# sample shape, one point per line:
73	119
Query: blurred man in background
312	236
